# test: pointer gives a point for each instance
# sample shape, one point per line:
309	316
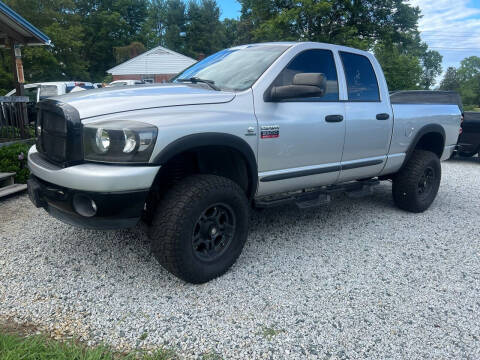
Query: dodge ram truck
251	126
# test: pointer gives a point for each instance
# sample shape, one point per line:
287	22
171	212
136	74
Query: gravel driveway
356	279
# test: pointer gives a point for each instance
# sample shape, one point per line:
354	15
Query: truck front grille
59	138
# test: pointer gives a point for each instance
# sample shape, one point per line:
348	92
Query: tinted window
361	80
312	61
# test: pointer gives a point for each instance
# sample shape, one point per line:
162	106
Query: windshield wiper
195	80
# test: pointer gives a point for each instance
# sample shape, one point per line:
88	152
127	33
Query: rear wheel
200	227
416	185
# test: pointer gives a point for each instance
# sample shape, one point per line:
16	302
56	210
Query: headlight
119	141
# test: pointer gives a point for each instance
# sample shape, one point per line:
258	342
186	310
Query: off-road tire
407	183
176	218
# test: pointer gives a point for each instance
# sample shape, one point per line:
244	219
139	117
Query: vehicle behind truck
251	126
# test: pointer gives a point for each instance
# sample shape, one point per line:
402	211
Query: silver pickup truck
255	125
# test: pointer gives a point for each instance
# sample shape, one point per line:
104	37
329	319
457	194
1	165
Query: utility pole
18	79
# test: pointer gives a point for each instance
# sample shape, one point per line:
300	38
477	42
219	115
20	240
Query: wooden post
18	79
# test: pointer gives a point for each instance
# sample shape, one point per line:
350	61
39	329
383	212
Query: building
156	65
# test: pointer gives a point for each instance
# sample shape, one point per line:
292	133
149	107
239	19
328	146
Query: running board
315	197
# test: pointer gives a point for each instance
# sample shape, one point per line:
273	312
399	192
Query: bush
13	158
11	132
471	108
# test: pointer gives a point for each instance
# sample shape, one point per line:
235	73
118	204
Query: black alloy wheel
213	232
426	182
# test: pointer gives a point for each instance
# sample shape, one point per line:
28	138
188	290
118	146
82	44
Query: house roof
17	28
158	60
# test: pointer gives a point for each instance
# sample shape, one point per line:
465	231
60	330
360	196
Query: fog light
84	206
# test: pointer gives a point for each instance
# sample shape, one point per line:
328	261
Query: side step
12	189
6	179
315	197
7	185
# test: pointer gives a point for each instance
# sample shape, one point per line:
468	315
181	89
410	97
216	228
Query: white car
40	91
125	82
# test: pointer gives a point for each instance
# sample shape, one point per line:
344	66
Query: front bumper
93	176
110	211
98	196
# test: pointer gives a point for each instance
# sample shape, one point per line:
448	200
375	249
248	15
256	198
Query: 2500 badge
269	131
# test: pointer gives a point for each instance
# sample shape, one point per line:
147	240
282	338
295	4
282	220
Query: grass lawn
16	347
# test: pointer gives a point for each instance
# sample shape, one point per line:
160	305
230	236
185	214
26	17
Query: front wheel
200	227
416	185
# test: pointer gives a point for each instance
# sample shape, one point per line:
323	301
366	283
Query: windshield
234	69
121	83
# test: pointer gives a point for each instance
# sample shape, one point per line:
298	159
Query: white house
156	65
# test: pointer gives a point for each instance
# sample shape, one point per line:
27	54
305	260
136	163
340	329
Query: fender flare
430	128
195	141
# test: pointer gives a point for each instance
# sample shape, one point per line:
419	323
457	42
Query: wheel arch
213	140
431	137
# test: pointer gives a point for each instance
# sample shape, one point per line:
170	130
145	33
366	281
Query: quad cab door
300	140
369	118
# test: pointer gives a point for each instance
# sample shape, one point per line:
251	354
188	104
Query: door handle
334	118
383	116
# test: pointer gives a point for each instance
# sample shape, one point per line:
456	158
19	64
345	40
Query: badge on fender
269	131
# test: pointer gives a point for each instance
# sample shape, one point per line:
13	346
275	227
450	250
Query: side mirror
304	85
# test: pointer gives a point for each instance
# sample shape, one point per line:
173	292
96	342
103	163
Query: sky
230	8
452	27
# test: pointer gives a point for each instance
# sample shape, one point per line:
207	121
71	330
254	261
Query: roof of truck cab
303	43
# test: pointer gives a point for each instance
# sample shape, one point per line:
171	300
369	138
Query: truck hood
110	100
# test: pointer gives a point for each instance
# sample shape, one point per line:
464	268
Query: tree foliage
450	80
124	53
389	27
466	80
91	36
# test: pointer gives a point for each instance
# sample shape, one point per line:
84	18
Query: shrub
13	158
11	132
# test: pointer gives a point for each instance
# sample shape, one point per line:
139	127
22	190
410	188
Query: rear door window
362	82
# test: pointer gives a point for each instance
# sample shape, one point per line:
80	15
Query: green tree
109	24
469	68
175	25
58	20
204	31
450	80
465	80
154	26
124	53
402	71
469	78
390	28
431	68
232	32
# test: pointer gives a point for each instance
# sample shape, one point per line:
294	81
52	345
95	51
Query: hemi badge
269	131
